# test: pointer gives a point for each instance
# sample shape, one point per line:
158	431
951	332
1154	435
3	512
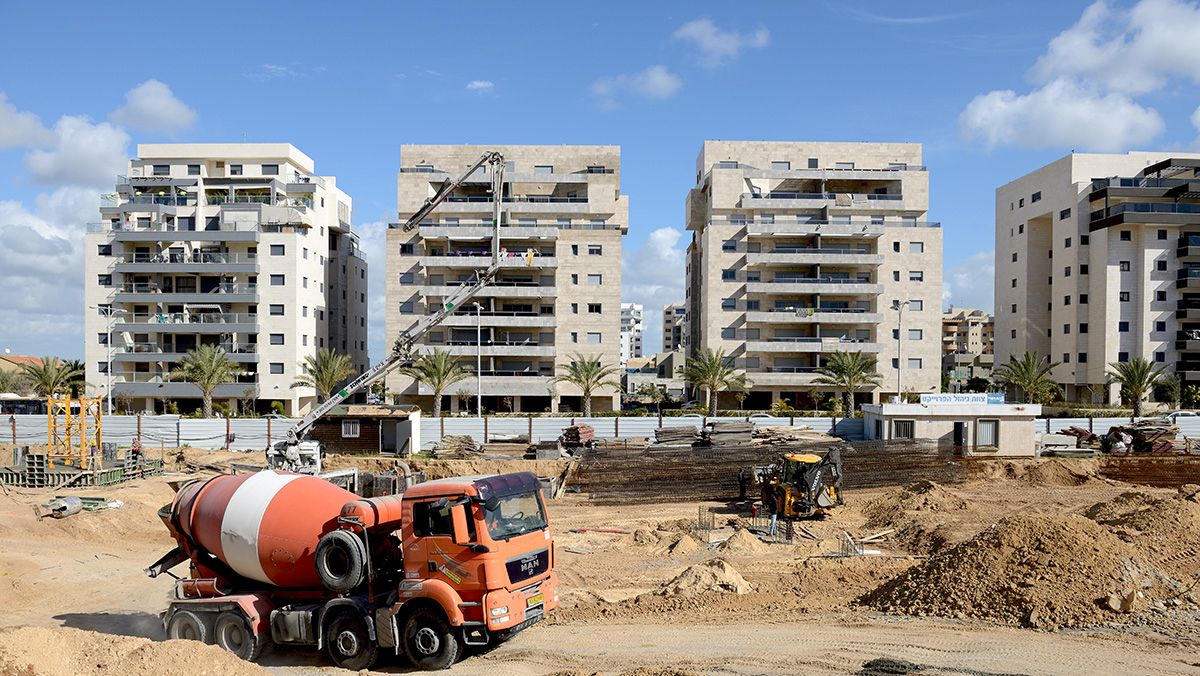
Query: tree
713	372
439	370
207	367
849	373
588	374
52	376
978	384
325	372
1167	389
76	386
657	394
1137	377
1030	375
14	382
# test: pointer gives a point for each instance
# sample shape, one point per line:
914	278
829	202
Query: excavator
295	453
803	485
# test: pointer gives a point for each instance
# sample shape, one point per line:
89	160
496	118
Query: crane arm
494	158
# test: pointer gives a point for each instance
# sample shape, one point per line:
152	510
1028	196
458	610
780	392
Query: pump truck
287	558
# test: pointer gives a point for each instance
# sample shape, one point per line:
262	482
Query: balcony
482	259
1187	309
187	322
483	232
806	285
818	200
524	204
494	290
813	316
1167	213
1189	247
823	345
219	293
154	385
1188	278
500	348
160	231
498	318
784	376
813	255
1188	370
1187	340
160	263
153	352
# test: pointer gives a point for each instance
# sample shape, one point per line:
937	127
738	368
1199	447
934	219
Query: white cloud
656	83
480	85
654	276
21	128
1132	51
85	154
717	46
1196	123
373	241
270	71
152	107
970	283
1061	114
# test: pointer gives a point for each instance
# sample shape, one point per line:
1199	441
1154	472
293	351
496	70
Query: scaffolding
73	429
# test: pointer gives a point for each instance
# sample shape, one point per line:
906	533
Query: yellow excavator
802	485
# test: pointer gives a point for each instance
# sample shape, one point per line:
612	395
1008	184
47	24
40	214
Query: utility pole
109	312
898	306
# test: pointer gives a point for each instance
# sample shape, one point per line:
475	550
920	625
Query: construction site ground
75	599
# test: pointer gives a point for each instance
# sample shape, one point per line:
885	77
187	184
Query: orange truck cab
449	564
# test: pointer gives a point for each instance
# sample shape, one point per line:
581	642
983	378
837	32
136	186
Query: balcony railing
1145	208
185	200
814	280
818	251
127	377
530	373
173	227
155	348
198	258
854	197
504	343
1102	183
528	199
153	287
782	219
188	318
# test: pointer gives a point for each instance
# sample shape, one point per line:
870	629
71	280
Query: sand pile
684	546
921	515
40	651
642	537
1039	571
714	575
742	542
1166	529
1059	472
640	671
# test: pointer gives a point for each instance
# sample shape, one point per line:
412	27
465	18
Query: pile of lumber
1080	434
577	434
456	446
1154	435
676	435
786	435
730	433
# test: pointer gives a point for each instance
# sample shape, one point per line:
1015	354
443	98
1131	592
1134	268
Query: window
895	334
574	337
1021	229
916	305
1067	243
1160	356
574	279
728	304
1083	269
104	280
1014	257
574	249
1066	329
1049	332
276	339
916	247
1126	236
1122	356
1050	253
728	275
896	247
1123	327
728	334
270	169
277	250
304	339
543	169
593	308
1066	358
916	276
593	337
987	433
406	278
574	308
304	311
1066	300
914	363
1123	296
408	249
729	245
162	170
1161	266
1014	283
235	170
1014	308
595	249
843	165
895	275
1067	271
1081	358
1014	334
1064	214
193	169
350	430
903	429
406	308
276	368
1084	240
1160	326
304	282
1021	203
915	334
752	276
104	250
1160	295
595	279
275	310
1083	299
1124	266
813	163
1162	234
304	253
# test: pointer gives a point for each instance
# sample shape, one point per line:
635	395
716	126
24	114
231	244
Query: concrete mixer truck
292	559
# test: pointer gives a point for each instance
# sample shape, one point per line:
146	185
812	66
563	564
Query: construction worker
135	451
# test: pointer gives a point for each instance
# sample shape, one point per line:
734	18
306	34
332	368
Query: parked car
1174	416
273	416
761	416
694	416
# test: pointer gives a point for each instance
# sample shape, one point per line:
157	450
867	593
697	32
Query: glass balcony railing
188	318
153	287
1145	208
197	258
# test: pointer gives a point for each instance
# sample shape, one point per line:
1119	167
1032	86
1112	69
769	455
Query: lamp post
898	306
478	359
109	312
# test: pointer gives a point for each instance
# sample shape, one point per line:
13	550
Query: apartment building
674	317
238	245
1095	264
968	346
631	331
563	204
801	250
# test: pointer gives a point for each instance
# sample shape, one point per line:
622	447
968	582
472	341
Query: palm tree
848	372
588	374
324	372
657	394
714	372
207	367
439	370
1031	376
1137	377
51	376
78	385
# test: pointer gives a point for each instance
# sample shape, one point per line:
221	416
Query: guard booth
980	425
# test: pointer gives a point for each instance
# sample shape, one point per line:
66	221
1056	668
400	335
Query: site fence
238	434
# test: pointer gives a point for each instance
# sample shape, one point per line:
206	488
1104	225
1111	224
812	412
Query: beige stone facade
237	245
1094	265
563	203
800	250
968	346
674	319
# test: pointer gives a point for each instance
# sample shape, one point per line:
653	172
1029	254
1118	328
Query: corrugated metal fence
244	434
1188	426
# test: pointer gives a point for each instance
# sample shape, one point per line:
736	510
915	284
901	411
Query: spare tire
341	561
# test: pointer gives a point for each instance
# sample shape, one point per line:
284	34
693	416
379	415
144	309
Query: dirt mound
684	546
640	671
1059	472
1039	571
39	651
920	514
742	542
1167	528
714	575
642	537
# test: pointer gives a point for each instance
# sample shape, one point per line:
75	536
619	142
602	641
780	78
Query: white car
761	416
1174	416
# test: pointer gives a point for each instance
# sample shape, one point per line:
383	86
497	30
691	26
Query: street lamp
898	306
109	312
478	359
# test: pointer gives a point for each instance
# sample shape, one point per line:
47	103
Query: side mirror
491	504
458	519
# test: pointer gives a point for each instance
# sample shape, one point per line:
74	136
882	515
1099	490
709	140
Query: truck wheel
341	561
428	640
188	626
349	644
233	633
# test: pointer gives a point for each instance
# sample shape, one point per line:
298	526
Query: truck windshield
516	515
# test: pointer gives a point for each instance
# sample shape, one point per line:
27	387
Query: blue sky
992	91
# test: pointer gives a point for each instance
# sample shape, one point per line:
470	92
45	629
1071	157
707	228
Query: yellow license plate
533	600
